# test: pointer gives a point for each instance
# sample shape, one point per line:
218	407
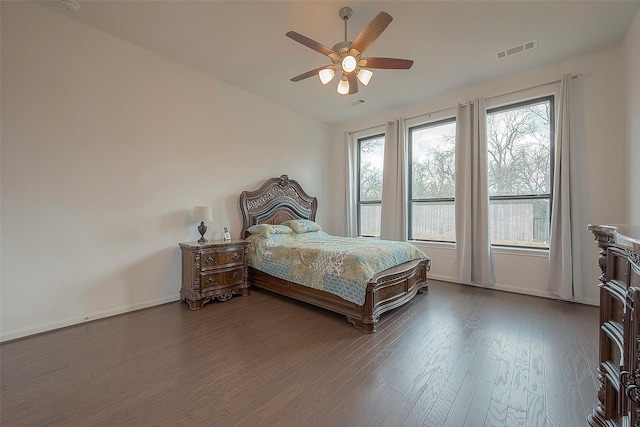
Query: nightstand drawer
221	259
222	278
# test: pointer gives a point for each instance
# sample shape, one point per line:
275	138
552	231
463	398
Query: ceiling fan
347	58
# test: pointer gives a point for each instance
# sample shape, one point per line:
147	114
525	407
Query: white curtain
473	242
351	202
564	247
394	186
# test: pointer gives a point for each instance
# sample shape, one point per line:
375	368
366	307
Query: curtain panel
473	242
394	183
564	247
351	202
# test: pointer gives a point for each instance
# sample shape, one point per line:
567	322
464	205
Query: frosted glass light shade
343	87
202	213
365	76
326	75
349	63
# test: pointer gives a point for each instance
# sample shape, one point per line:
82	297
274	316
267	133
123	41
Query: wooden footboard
387	290
392	288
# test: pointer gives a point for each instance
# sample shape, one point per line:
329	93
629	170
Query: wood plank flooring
457	356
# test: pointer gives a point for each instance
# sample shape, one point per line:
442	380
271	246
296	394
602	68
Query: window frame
410	199
512	106
359	201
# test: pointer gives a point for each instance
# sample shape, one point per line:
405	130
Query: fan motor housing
342	48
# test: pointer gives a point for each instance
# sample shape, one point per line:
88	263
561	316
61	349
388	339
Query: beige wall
632	69
599	128
106	147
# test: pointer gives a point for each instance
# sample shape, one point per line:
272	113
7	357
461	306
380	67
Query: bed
280	200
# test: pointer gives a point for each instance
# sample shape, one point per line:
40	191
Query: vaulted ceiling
453	43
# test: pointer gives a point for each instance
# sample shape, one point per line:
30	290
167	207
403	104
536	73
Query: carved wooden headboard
276	201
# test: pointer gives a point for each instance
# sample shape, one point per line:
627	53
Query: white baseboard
513	289
46	327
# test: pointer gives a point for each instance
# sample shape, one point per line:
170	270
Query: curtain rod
432	112
573	77
365	129
578	76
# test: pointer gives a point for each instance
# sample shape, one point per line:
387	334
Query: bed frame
282	199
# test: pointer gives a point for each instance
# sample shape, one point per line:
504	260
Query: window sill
495	250
437	245
529	252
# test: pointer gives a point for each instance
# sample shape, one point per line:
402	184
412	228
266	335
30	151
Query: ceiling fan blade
307	74
386	63
318	47
371	32
353	83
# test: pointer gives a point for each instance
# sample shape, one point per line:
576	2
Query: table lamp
202	214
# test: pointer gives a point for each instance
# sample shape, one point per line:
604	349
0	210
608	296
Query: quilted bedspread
338	265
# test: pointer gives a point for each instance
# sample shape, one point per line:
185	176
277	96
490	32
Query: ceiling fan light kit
347	57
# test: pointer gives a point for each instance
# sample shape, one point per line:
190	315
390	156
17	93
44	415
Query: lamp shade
349	63
202	213
343	86
326	75
364	76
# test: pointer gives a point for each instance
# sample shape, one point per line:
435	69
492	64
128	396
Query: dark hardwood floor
457	356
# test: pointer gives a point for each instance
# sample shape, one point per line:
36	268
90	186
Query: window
370	166
520	179
432	181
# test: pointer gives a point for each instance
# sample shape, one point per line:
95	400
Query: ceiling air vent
517	49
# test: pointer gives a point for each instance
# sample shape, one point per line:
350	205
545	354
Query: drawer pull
235	275
234	257
209	280
209	259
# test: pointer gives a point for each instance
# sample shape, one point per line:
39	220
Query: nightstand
213	270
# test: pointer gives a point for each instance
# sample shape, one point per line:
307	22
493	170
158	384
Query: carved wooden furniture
281	199
619	370
213	270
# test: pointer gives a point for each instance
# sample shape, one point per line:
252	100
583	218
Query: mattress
339	265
